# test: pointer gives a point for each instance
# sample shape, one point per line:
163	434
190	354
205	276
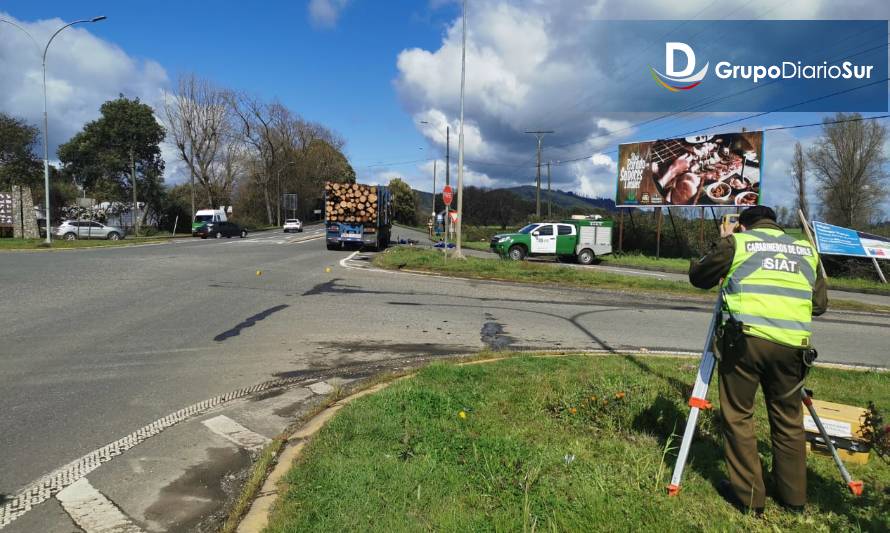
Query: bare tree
848	161
259	128
199	122
799	180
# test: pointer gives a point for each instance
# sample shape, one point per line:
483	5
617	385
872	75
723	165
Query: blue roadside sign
837	240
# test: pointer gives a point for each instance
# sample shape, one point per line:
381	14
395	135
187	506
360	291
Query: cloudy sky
386	75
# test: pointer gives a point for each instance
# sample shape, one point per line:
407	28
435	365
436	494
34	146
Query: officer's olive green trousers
777	369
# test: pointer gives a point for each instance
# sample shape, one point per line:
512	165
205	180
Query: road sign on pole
447	195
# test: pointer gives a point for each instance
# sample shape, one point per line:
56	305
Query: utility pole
460	138
434	190
192	174
448	154
135	204
540	136
549	194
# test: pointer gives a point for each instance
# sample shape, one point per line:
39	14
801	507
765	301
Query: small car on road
293	224
71	230
219	230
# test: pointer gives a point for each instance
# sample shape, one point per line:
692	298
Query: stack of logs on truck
357	214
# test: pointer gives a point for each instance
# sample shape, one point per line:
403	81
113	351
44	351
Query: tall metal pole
448	154
45	116
46	213
434	190
460	138
540	136
549	194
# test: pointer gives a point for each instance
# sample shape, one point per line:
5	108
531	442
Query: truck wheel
333	246
586	257
516	252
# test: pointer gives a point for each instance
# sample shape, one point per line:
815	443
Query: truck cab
580	238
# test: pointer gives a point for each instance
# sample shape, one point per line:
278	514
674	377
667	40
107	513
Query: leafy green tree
118	155
19	164
403	202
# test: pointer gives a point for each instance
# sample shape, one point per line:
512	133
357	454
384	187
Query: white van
208	216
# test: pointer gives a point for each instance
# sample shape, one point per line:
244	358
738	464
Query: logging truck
357	214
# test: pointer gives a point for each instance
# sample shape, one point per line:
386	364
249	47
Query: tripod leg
854	486
697	402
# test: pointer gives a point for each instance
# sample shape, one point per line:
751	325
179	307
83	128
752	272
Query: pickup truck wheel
218	235
586	257
516	252
243	233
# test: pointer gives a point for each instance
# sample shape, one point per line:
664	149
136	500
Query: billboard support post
676	235
880	272
658	233
620	230
701	230
806	229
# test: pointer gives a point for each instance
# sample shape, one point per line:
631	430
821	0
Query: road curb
257	517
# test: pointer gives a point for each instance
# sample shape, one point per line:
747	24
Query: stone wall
25	223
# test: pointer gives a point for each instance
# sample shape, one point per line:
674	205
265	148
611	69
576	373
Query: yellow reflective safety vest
769	287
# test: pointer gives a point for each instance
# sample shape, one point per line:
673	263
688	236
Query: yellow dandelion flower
462	414
573	410
619	395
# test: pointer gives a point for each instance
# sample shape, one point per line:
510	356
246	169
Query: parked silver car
71	230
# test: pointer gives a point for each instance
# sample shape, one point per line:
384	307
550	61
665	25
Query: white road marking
233	431
321	388
92	511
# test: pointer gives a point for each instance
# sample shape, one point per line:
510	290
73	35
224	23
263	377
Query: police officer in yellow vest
771	287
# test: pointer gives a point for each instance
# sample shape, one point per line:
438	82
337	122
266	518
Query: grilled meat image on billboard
722	170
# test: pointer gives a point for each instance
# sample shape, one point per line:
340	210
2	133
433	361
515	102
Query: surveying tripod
698	401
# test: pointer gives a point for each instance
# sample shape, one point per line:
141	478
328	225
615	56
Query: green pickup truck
580	238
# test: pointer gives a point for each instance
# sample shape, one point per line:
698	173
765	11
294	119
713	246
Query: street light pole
460	139
45	116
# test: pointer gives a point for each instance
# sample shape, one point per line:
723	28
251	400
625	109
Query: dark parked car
219	230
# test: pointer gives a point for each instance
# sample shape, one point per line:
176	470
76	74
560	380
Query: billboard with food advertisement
722	170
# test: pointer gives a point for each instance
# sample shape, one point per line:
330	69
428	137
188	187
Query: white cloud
534	65
83	71
324	13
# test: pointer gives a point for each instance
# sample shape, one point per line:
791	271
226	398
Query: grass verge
38	244
681	266
527	272
570	443
261	468
523	271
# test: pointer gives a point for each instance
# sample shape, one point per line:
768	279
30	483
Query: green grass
36	244
546	445
481	246
261	468
681	266
524	271
665	264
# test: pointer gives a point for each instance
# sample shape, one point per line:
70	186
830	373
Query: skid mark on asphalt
92	511
249	322
234	432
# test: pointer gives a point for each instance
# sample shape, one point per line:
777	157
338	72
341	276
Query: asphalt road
96	343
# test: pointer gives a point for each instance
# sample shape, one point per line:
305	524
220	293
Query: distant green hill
563	200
